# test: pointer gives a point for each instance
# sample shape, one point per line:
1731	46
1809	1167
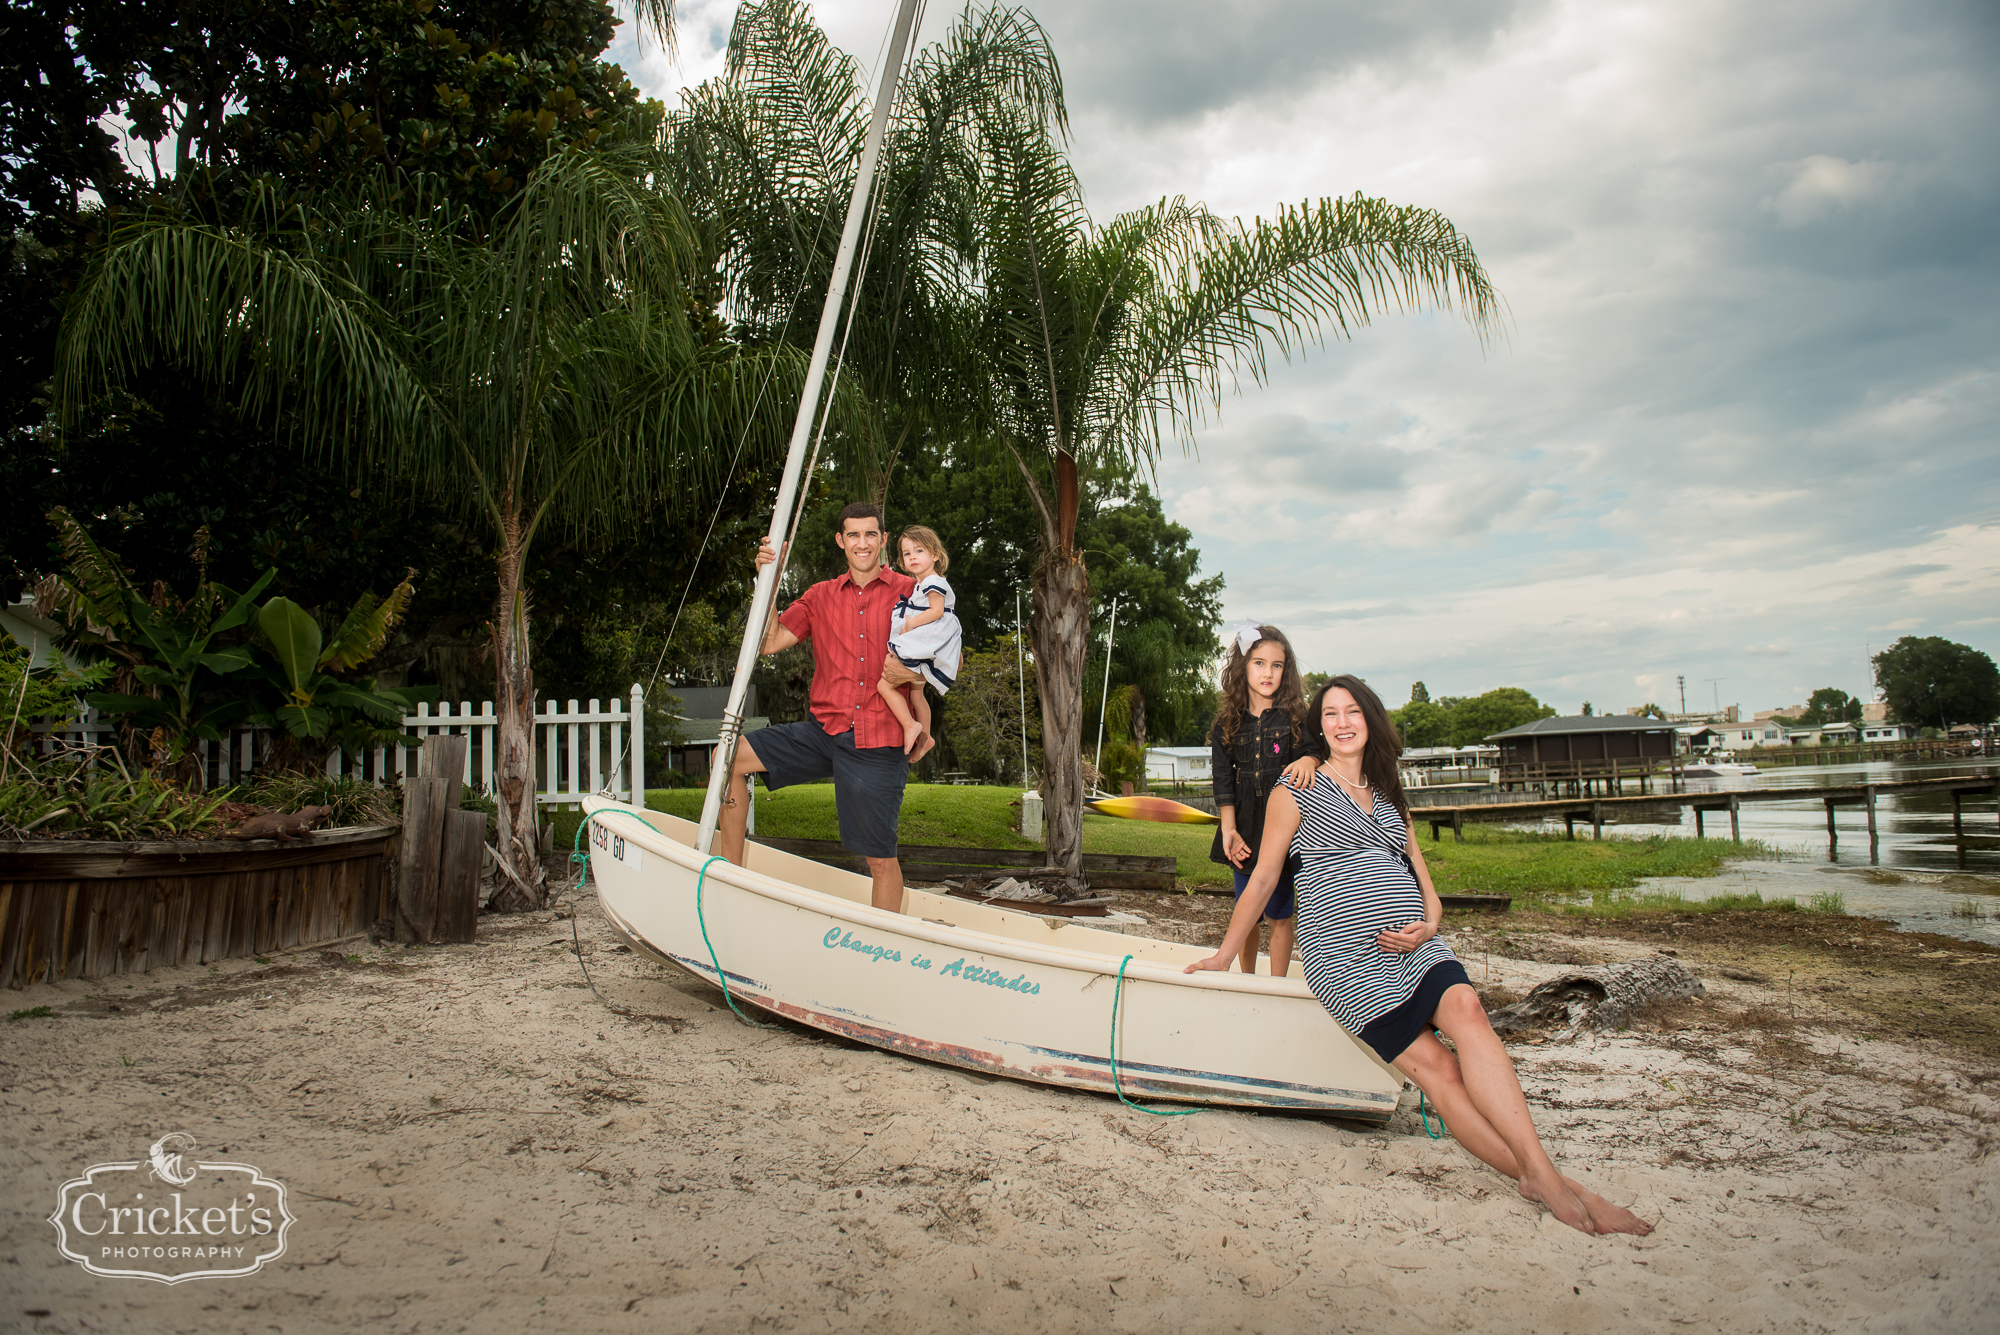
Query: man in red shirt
851	737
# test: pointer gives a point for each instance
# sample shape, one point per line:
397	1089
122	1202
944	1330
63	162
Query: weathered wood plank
444	758
243	914
289	907
76	859
156	952
91	952
215	935
416	876
458	875
179	913
39	917
13	933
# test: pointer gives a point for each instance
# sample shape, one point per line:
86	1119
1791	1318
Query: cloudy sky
1744	423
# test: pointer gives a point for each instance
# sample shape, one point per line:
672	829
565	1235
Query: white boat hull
950	980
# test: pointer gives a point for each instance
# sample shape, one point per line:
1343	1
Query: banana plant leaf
295	644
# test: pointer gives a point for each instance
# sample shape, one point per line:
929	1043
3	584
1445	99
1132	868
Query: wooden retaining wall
85	909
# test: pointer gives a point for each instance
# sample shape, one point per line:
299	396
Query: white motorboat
952	980
1715	769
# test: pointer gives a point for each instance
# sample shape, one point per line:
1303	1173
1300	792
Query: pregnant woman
1368	922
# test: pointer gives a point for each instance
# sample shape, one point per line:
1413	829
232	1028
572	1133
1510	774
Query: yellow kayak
1152	808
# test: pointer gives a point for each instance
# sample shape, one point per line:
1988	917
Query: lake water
1922	880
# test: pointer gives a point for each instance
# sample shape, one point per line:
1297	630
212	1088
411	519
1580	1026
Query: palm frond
366	627
1225	293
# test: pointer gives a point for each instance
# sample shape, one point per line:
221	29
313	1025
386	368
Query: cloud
1148	61
1822	184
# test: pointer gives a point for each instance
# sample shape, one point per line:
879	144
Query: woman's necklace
1360	787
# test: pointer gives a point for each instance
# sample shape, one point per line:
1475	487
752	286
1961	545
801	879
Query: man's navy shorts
867	781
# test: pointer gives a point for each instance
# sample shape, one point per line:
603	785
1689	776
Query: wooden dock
1571	811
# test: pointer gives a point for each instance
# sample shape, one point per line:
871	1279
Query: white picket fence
599	747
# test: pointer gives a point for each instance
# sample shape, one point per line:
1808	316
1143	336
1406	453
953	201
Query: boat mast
788	487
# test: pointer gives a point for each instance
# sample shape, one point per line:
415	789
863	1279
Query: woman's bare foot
1563	1203
1607	1217
913	733
923	745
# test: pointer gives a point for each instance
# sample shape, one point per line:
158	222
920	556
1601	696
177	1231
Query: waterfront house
1177	764
1737	736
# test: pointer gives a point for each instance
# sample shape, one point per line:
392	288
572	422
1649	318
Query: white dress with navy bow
932	650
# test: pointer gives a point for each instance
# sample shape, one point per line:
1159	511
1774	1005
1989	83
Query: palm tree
771	149
554	374
1092	335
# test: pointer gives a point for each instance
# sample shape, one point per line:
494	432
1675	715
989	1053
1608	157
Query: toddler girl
923	638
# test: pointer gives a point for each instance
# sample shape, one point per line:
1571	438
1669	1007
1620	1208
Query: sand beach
472	1141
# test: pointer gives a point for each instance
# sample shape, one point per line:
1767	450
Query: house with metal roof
1586	752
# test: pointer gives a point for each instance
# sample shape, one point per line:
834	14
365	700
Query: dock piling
1874	850
1735	826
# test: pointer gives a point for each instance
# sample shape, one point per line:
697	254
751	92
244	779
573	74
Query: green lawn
1591	874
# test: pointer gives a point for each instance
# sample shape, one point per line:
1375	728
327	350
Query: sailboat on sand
1007	992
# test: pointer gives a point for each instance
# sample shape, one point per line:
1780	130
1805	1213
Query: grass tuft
32	1013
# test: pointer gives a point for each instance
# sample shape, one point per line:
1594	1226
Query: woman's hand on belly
1407	939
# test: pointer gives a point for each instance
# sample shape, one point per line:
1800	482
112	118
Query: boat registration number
615	845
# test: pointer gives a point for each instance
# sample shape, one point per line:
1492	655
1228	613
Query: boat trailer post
766	592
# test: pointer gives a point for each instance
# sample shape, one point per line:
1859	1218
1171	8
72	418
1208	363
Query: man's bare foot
1562	1202
1607	1217
923	747
913	733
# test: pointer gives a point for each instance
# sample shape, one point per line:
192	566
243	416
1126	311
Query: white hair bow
1248	634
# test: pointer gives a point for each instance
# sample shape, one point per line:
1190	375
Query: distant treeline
1452	720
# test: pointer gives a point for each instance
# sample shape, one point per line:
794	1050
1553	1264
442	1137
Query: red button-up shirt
848	625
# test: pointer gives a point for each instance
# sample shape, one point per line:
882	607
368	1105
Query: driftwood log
1601	997
287	826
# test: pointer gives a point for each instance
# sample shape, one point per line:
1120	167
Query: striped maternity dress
1353	884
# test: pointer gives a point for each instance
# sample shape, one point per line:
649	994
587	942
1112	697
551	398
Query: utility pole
1021	665
1682	679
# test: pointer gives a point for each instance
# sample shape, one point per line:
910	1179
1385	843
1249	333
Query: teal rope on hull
1118	1085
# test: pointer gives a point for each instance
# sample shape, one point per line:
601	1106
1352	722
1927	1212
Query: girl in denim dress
1259	736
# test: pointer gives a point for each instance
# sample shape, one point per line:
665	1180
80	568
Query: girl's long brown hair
1384	748
1291	696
